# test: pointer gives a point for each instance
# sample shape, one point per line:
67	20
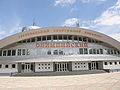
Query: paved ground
105	81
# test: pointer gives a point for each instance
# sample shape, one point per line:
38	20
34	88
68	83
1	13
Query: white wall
9	69
79	66
43	67
113	66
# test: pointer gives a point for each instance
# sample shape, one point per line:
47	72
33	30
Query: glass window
13	52
49	37
70	37
105	63
115	63
65	37
43	38
84	39
55	37
28	40
6	66
115	52
101	51
0	65
89	40
80	39
108	51
60	37
90	51
32	39
28	52
0	52
76	38
4	53
13	65
94	51
23	52
81	50
97	51
24	41
9	53
85	51
38	38
111	51
55	52
19	52
110	63
60	52
49	52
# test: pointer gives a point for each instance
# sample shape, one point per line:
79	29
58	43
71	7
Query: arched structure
58	49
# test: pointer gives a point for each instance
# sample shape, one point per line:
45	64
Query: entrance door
61	66
92	65
27	67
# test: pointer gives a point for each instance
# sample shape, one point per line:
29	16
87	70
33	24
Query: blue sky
99	15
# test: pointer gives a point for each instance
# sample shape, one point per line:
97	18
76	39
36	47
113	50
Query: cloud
13	28
88	1
64	2
116	36
71	22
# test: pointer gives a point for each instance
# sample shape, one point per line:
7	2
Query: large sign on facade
67	44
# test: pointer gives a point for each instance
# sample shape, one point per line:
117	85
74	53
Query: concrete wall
79	66
9	69
43	67
113	66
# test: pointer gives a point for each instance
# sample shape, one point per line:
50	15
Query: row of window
7	66
79	63
111	63
14	52
80	66
44	64
19	52
44	67
60	38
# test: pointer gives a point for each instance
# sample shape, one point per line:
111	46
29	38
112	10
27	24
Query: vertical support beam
69	66
53	66
19	67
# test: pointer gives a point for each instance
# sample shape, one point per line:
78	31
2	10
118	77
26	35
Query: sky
98	15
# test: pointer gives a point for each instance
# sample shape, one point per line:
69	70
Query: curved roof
59	30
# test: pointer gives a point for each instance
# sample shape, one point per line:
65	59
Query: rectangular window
28	40
32	39
6	66
85	51
4	53
90	51
115	63
9	53
60	37
65	37
0	52
19	52
97	51
0	65
94	51
110	63
49	37
13	65
43	38
105	63
54	37
23	52
38	38
13	52
81	50
101	51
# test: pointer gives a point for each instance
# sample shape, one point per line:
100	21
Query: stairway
82	72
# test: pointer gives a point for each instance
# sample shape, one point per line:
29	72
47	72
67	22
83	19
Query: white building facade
58	49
